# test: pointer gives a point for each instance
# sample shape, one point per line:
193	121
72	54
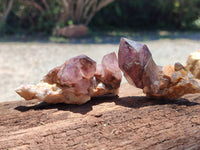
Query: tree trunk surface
130	121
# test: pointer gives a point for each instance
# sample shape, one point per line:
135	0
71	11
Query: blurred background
37	35
30	17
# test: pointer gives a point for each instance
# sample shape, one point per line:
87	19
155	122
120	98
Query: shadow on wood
131	101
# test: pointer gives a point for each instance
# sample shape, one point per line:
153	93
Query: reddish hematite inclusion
139	68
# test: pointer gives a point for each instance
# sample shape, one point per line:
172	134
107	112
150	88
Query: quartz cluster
76	81
80	78
140	70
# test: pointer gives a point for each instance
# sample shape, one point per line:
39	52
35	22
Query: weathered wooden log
130	121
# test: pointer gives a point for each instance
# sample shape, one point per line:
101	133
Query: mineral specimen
139	68
76	81
193	64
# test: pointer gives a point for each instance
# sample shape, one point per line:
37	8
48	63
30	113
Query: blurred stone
72	31
139	68
76	81
193	64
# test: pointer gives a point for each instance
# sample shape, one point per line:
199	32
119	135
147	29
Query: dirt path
127	122
29	62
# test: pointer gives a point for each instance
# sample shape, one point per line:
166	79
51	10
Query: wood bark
10	4
6	11
79	11
82	11
130	121
32	3
97	8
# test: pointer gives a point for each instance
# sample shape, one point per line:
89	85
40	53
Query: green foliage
30	20
122	14
11	24
45	23
60	24
146	14
41	21
70	22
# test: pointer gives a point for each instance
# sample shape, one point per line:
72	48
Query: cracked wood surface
130	121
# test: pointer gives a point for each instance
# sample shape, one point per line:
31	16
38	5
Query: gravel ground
29	62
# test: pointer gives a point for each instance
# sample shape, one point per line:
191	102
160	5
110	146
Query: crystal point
139	68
